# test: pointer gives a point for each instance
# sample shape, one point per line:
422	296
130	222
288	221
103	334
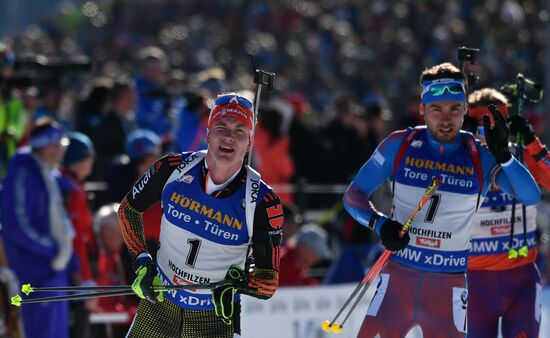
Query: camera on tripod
36	70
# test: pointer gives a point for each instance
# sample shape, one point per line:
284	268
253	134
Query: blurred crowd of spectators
347	74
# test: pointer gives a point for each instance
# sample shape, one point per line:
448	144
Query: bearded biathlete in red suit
424	281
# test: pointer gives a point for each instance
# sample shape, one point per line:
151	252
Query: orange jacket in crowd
273	160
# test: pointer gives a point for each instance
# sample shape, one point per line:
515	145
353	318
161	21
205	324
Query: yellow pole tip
16	300
326	326
524	251
27	289
337	328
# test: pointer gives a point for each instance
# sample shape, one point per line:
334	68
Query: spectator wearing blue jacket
37	232
192	118
152	110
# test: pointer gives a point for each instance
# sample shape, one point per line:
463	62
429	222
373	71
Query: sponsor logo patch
500	230
177	280
416	143
378	158
186	162
428	242
255	190
275	215
187	203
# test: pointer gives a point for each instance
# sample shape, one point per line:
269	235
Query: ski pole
376	272
379	264
261	78
28	289
519	90
18	301
362	286
108	291
523	251
430	190
470	55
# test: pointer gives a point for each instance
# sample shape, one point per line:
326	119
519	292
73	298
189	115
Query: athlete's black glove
469	124
390	234
496	136
223	296
518	124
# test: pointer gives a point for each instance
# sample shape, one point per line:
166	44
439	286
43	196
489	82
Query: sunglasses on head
226	99
438	89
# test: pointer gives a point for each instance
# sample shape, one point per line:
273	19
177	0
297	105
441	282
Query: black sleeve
148	189
146	192
263	280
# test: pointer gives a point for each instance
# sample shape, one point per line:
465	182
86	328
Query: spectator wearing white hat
36	230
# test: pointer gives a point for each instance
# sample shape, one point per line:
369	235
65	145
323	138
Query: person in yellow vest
13	120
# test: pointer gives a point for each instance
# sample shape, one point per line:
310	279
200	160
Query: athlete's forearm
268	232
266	247
516	180
537	160
131	224
359	206
373	174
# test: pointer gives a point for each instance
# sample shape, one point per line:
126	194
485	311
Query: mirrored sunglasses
438	89
226	99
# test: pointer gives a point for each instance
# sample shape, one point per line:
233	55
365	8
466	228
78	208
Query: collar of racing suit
239	180
443	147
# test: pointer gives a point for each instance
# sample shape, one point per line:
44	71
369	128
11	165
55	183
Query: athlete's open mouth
226	149
446	130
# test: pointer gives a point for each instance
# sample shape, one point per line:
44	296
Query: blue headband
443	90
48	136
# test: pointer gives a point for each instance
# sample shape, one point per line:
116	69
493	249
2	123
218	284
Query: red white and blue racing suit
424	284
